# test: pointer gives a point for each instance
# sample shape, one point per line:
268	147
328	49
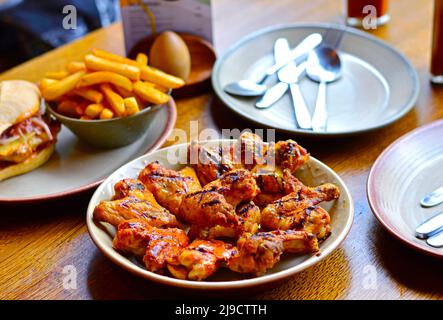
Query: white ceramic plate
75	167
313	173
379	85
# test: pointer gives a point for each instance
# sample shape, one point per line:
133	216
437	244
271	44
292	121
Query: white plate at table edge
169	126
219	91
125	263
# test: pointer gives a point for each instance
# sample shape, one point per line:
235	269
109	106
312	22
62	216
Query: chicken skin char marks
215	203
288	154
249	216
252	150
156	246
169	187
132	187
274	183
259	252
210	163
201	259
292	211
133	201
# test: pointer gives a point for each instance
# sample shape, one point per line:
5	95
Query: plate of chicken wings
221	214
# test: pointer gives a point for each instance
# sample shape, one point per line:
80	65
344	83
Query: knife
436	241
275	93
430	227
291	75
432	199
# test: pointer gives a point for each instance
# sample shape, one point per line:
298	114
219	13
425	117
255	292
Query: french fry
80	110
105	76
161	78
75	66
149	93
67	108
94	110
62	87
99	64
131	105
113	57
89	94
161	88
114	99
123	92
57	75
142	59
106	114
46	82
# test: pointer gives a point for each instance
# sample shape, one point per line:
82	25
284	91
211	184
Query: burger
27	134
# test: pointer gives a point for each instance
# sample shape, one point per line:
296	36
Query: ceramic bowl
112	133
403	174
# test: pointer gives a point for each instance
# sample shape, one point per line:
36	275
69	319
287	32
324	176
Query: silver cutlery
291	75
430	227
273	94
324	66
436	240
432	199
250	88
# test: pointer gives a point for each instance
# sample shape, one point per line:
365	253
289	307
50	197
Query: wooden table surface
38	242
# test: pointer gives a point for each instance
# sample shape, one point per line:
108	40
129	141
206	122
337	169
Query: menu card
190	16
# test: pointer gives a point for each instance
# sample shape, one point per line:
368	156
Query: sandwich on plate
27	135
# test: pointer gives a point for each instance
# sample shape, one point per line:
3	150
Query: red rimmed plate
405	172
75	167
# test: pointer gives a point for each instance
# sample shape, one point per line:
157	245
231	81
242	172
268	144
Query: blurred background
29	28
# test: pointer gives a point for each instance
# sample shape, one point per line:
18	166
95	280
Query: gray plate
379	85
75	166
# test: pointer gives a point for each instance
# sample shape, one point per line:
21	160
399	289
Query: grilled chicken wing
134	201
274	183
168	186
251	150
157	246
249	216
287	155
215	203
259	252
165	245
236	186
317	222
132	237
208	208
210	163
201	259
289	212
135	188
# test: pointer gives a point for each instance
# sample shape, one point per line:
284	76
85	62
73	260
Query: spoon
432	199
324	66
249	88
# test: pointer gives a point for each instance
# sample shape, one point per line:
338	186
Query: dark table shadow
107	281
39	213
414	270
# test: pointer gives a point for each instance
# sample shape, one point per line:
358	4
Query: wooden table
38	241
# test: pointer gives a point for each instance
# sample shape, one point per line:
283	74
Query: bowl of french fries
107	100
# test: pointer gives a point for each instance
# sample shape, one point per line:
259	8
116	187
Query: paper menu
190	16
